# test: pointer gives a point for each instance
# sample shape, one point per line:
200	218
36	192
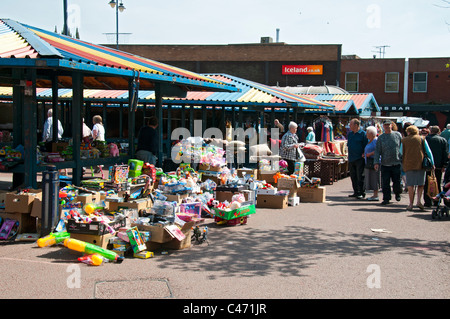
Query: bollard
50	200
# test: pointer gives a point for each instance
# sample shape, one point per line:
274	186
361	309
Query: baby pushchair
443	203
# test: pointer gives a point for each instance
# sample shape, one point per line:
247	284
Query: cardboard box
27	224
272	201
36	209
267	191
222	196
267	176
99	240
237	213
59	147
21	203
248	172
293	201
138	204
88	198
185	243
290	184
312	194
175	197
207	167
159	234
2	200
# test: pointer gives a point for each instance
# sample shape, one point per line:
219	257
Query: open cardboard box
21	203
161	234
27	223
290	184
138	204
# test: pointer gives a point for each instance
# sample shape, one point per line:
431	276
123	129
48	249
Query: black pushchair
443	203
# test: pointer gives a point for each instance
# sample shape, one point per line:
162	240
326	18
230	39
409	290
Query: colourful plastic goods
94	259
135	167
84	247
52	239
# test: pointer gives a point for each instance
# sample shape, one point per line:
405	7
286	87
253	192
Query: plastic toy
93	259
200	236
137	244
84	247
9	228
52	239
113	150
91	208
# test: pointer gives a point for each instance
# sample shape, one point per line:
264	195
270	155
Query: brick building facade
261	62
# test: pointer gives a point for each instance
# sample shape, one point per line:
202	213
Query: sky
403	28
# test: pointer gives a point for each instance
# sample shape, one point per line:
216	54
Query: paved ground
311	251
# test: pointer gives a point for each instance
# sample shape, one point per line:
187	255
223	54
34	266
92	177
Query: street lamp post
119	7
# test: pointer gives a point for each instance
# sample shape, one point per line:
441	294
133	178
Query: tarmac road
310	251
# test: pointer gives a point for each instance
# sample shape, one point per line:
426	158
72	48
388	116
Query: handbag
432	189
426	163
369	163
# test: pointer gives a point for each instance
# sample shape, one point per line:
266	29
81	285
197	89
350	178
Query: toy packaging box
242	211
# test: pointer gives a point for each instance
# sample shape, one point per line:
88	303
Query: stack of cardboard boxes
18	206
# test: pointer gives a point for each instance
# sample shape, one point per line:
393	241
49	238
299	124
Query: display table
329	170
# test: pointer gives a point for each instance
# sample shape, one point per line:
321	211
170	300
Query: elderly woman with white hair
289	147
371	175
311	137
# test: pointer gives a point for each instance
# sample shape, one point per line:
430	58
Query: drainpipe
405	82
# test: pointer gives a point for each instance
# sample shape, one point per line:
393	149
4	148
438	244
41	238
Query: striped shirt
287	150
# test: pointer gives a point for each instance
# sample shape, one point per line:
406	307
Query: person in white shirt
98	131
87	133
47	134
98	134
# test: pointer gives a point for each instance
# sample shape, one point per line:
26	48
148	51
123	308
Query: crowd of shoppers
378	160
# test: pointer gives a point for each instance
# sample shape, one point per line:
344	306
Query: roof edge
40	46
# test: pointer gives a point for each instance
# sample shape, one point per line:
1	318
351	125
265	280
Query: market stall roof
25	46
363	103
250	94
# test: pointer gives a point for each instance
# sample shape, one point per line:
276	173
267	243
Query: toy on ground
200	236
84	247
92	260
9	228
52	239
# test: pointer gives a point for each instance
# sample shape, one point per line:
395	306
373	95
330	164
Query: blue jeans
388	174
146	157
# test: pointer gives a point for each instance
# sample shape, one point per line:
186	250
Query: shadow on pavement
253	252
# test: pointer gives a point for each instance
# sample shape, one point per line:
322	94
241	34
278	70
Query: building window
420	81
391	82
351	81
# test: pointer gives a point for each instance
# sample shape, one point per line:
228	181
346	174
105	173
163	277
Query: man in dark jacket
148	142
439	147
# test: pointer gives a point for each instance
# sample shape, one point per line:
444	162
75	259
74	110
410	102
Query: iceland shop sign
302	69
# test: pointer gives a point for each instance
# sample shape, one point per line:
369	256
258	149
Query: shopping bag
432	189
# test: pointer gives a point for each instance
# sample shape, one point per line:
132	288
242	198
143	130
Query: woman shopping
414	148
371	175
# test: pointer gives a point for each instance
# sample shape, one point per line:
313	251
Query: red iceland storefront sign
302	69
